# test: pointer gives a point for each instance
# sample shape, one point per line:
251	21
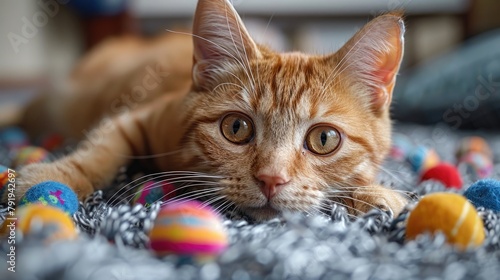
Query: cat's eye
237	128
323	140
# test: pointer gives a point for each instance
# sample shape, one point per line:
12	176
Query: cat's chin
262	213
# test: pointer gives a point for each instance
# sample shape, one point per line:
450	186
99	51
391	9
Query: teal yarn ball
53	194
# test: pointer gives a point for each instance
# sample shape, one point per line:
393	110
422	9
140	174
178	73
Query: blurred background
450	73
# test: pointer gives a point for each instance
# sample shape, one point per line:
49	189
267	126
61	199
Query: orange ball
450	214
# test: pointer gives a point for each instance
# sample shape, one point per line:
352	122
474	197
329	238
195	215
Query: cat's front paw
33	174
376	196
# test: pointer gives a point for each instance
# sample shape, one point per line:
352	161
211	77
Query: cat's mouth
265	212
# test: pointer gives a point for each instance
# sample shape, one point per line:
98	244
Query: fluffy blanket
113	238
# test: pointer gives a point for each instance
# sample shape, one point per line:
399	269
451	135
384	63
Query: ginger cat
240	124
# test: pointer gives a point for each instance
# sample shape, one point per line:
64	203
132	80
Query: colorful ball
477	164
473	144
4	179
188	229
444	173
423	158
54	194
13	137
152	192
4	175
52	142
485	193
450	214
55	224
28	155
401	147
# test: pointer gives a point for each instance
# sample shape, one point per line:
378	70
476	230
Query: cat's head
287	131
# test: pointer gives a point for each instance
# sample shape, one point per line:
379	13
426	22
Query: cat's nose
271	184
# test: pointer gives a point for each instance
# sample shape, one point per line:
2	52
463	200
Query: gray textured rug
330	246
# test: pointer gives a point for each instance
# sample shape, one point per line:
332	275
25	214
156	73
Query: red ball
444	173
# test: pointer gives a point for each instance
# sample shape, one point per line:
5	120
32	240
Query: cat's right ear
373	56
220	39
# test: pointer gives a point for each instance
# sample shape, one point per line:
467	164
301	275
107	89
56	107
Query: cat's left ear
373	56
220	39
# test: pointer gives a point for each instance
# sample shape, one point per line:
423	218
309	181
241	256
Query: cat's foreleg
94	162
376	196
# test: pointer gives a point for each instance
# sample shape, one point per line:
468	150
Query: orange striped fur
178	124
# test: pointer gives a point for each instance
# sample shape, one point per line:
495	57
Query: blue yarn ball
13	137
422	159
53	194
485	193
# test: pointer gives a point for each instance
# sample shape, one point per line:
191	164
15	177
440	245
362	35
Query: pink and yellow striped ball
58	224
188	228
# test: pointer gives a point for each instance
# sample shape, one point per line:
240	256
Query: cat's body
265	132
118	76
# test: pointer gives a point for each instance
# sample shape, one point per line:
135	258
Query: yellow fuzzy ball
450	214
58	223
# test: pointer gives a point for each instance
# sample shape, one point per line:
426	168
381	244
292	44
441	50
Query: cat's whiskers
228	84
363	189
340	193
325	208
396	178
177	175
245	55
222	207
185	184
356	200
367	189
155	176
213	200
352	179
192	195
158	184
235	94
187	198
242	84
355	183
